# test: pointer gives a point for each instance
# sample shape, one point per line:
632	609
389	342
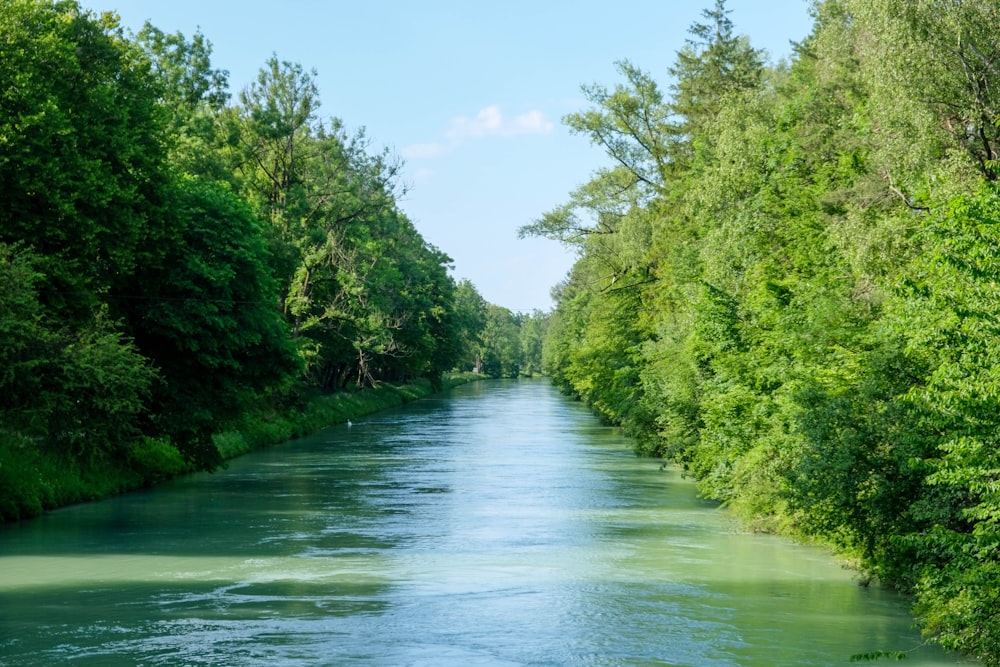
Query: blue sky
471	94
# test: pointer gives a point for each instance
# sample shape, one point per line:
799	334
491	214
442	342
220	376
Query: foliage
80	157
470	319
207	319
174	264
786	283
193	94
500	343
80	390
366	298
947	315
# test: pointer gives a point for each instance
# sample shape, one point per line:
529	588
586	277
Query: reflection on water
498	526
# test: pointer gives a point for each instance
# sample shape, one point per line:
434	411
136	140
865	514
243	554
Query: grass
34	479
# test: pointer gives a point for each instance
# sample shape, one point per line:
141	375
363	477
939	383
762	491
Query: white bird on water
349	424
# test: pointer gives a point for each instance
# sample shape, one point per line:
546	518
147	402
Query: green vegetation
184	278
787	278
787	283
33	480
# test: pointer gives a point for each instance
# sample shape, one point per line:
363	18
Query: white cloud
422	151
487	121
533	122
490	122
423	175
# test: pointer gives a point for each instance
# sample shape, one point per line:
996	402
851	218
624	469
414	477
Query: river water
498	525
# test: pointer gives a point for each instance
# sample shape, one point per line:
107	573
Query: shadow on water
500	526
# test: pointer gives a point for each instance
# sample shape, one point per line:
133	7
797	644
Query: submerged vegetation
788	283
184	275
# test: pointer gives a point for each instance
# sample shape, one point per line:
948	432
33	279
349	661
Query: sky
470	94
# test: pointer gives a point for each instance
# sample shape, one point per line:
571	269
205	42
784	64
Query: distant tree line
789	283
172	257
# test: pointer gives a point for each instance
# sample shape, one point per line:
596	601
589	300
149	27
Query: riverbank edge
33	481
323	410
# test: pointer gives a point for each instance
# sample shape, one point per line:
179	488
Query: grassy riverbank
34	479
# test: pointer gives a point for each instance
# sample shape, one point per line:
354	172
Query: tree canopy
175	257
786	282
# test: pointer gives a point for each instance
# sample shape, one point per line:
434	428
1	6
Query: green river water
497	525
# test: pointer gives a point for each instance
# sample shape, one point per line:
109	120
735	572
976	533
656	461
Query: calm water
498	526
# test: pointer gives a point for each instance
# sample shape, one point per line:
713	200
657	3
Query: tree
349	196
81	163
339	242
786	284
194	95
206	317
500	343
713	66
634	224
277	119
533	332
470	320
947	318
184	67
77	390
933	68
633	126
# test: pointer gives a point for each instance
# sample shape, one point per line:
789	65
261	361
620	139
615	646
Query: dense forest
177	261
788	282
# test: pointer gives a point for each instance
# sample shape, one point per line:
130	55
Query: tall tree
277	119
206	317
82	162
470	318
933	69
632	124
714	64
194	95
500	345
533	330
947	319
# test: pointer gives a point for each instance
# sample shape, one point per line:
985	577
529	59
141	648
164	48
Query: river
497	525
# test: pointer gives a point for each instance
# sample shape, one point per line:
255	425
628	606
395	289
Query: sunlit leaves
934	67
366	298
80	155
632	124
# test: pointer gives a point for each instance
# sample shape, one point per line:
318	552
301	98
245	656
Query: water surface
500	525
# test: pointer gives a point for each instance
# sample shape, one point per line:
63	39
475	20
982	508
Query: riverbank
322	410
34	480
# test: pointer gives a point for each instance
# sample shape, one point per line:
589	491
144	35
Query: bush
20	485
156	459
